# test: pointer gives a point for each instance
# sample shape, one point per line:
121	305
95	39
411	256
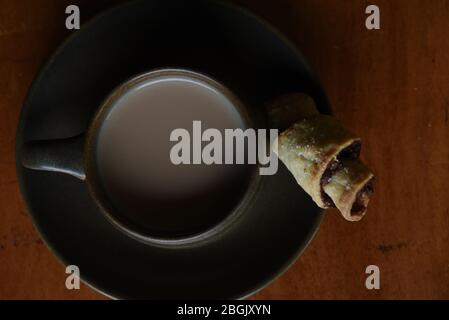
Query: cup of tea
124	158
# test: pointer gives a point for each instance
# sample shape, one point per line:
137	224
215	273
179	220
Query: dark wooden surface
390	86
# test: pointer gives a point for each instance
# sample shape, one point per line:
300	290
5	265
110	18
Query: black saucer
223	41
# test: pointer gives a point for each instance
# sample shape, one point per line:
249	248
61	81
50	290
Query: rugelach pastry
322	156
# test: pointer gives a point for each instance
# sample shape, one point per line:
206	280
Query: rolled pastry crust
309	147
350	188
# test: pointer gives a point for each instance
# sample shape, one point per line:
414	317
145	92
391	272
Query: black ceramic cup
106	158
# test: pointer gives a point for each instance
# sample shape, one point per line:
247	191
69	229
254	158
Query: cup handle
63	155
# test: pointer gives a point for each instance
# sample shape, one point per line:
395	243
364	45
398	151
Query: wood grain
390	86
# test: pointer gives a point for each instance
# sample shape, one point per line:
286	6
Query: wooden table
391	86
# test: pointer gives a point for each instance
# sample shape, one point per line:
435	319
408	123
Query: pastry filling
362	198
350	152
332	167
